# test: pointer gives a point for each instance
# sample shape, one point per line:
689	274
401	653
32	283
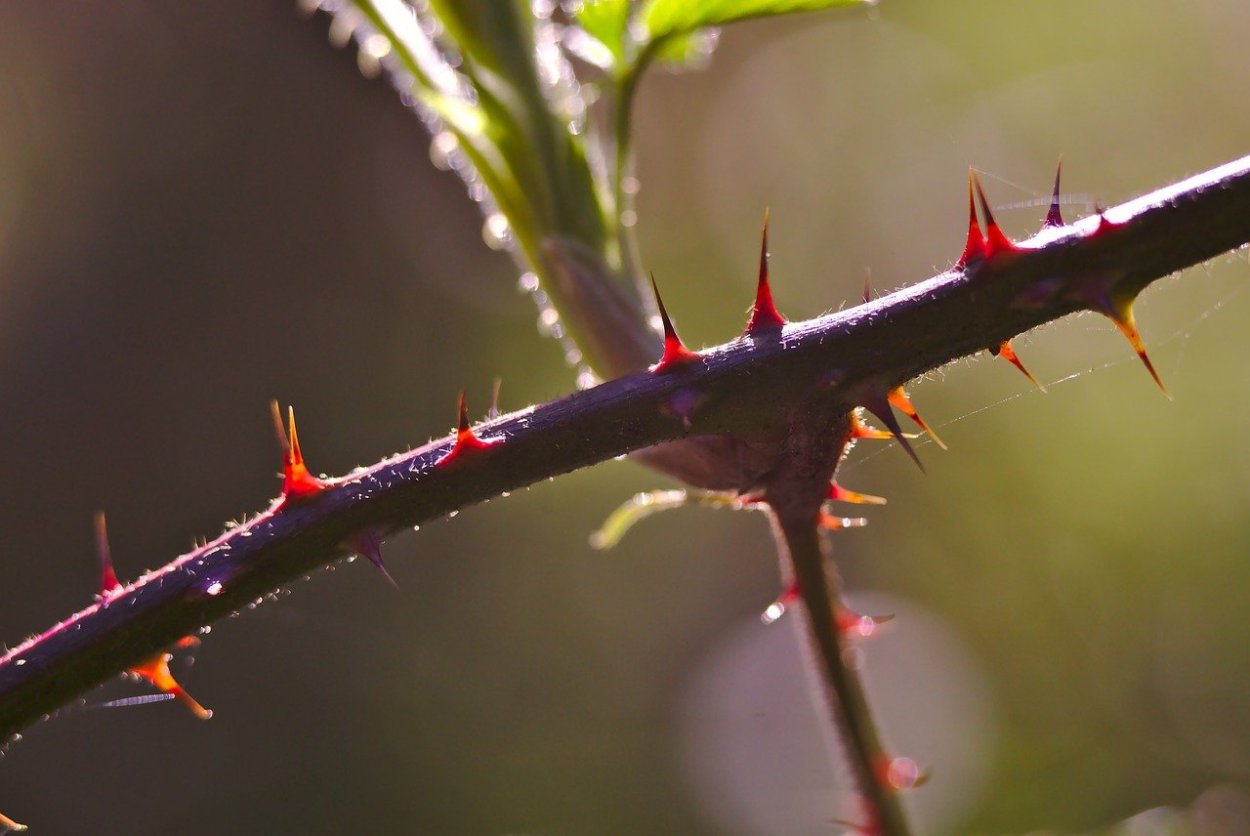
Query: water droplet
528	283
214	588
451	515
775	611
586	378
442	147
629	218
496	232
344	25
376	45
902	773
631	185
547	319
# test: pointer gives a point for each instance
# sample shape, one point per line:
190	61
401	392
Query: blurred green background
203	206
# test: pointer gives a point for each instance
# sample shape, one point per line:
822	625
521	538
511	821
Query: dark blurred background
203	206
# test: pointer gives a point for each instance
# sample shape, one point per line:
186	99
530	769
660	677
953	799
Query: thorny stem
748	389
794	492
809	556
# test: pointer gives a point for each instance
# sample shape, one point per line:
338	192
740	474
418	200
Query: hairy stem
747	389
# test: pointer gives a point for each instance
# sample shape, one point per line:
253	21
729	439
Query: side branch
744	390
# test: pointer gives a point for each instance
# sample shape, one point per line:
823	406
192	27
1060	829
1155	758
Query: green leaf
664	18
607	21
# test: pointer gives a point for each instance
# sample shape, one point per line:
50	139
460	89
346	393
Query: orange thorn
880	407
1008	353
860	429
764	314
466	440
156	671
903	404
995	241
1121	313
675	352
297	482
1053	216
108	578
975	247
867	295
837	493
831	523
9	824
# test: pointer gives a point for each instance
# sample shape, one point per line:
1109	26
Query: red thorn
1121	313
995	241
1105	224
297	483
675	352
765	318
849	621
880	407
466	440
867	296
788	597
156	671
369	546
975	247
108	578
831	523
1053	216
903	404
1008	353
837	493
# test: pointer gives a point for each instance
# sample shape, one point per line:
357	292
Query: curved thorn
297	482
675	352
108	577
837	493
156	671
1054	217
466	440
1122	315
903	404
975	246
1008	353
995	241
860	429
880	407
369	546
764	314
